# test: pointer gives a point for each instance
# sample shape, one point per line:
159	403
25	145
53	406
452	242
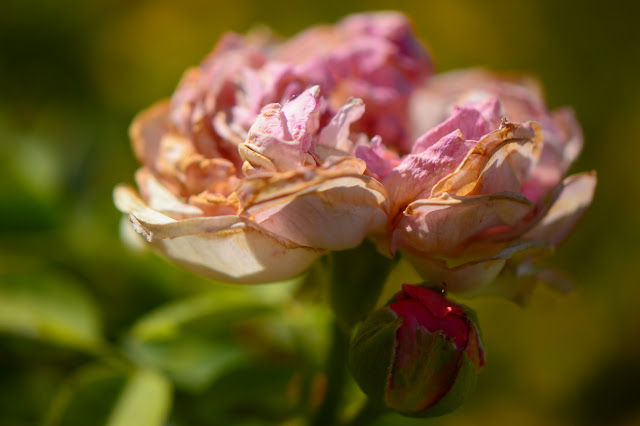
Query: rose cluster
272	153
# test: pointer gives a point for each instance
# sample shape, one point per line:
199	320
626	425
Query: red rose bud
419	355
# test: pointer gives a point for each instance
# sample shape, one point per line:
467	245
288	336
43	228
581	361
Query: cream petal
574	197
160	198
473	276
446	224
499	162
324	208
225	248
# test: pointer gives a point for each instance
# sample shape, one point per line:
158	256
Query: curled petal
226	248
444	225
571	202
380	161
331	208
469	120
416	175
281	137
160	198
499	162
562	145
475	275
336	133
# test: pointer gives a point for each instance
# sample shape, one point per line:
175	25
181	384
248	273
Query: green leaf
192	362
49	306
89	392
145	401
166	321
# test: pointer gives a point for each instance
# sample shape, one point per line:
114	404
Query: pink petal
333	208
418	173
443	226
570	205
475	275
470	120
336	133
499	162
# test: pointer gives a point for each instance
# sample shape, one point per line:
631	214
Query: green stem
336	371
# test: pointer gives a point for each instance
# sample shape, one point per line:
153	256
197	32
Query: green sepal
358	276
372	352
475	349
425	373
462	388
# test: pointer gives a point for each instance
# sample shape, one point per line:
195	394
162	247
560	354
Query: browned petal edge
155	226
465	179
269	187
450	199
146	130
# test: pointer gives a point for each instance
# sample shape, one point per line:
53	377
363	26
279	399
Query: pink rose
249	172
483	186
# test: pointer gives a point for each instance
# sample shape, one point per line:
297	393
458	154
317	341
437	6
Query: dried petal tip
419	355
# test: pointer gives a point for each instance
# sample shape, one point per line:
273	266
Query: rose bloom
482	194
248	171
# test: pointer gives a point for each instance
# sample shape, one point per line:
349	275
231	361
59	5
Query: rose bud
419	355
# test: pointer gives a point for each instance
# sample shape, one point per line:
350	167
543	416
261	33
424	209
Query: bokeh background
72	75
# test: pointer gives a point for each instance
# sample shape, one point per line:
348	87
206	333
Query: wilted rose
249	172
483	187
419	355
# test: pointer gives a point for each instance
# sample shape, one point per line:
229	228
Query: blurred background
72	75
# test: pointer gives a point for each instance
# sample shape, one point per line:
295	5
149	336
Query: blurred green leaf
50	306
145	401
89	392
257	393
109	396
192	362
166	321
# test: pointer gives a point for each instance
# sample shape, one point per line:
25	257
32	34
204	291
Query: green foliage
144	401
51	306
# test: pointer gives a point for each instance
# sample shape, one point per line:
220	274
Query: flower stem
336	371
